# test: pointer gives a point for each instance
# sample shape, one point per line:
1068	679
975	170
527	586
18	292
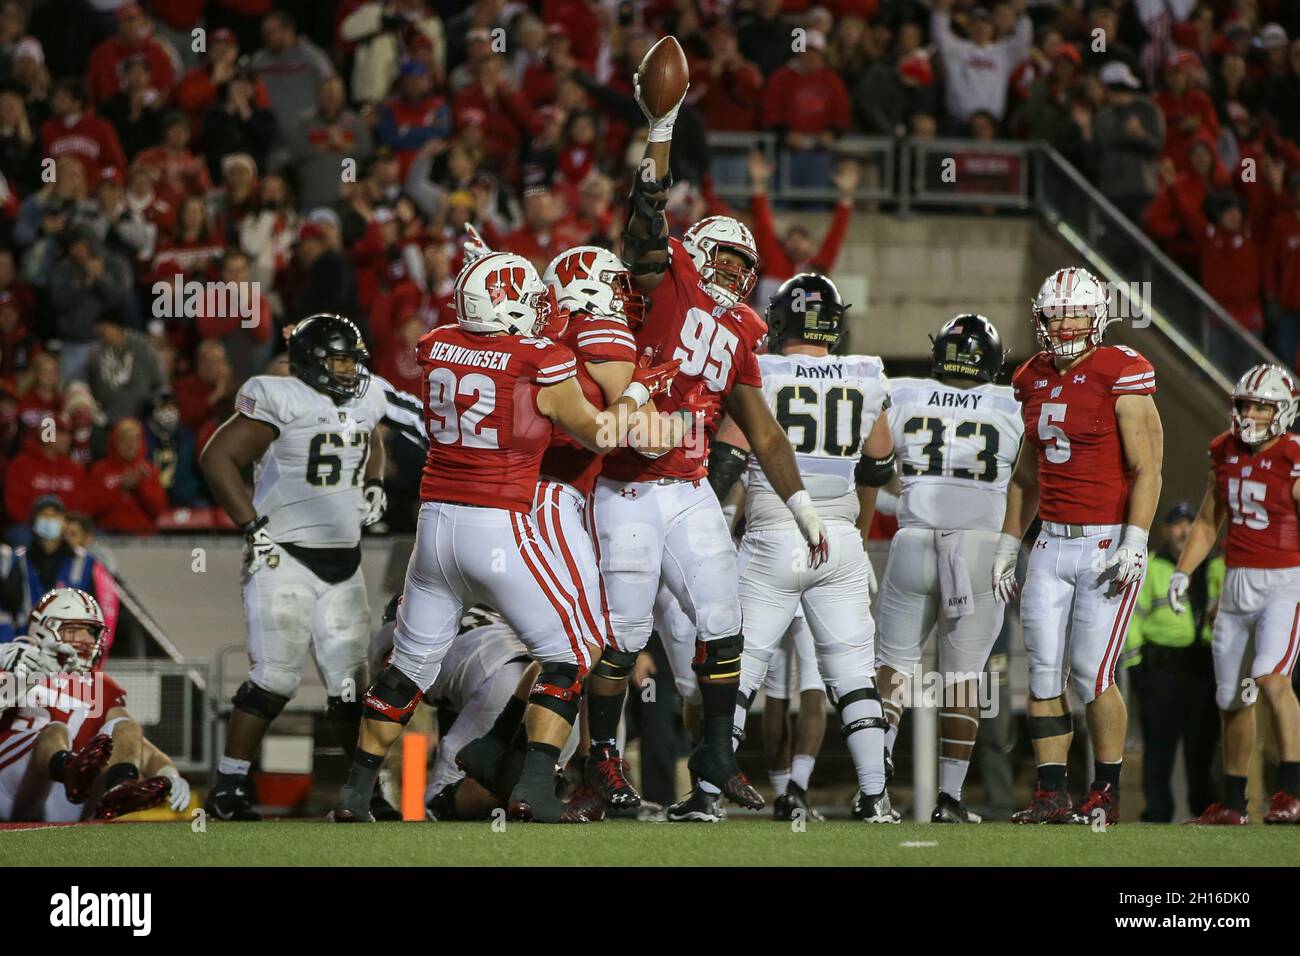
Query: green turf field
736	842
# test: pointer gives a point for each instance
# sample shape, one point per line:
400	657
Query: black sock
719	714
1234	792
364	772
1051	776
1103	773
508	721
120	773
603	715
1288	777
539	763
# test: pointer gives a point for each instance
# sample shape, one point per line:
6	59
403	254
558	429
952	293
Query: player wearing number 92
957	435
1091	468
1254	484
318	465
494	390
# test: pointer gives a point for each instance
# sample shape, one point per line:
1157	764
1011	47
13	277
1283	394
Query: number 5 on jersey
1056	444
707	349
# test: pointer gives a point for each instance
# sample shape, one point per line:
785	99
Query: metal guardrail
963	172
170	701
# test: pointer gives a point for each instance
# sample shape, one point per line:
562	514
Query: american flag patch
245	403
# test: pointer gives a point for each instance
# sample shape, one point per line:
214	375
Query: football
664	75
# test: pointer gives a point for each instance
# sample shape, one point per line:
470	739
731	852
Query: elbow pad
726	462
874	472
645	238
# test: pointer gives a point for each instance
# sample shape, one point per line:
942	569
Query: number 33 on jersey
1070	418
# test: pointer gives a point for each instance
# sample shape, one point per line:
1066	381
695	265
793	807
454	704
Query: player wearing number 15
494	390
1091	468
1254	485
316	481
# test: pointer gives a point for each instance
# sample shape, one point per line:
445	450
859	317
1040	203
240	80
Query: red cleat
83	767
1283	808
607	775
584	806
1219	815
132	796
1047	806
1104	798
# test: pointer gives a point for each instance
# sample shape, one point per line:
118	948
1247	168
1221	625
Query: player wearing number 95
1255	481
1091	468
658	519
494	390
317	478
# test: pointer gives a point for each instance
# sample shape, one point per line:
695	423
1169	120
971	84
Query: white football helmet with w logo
1070	293
70	623
502	292
594	280
1266	385
726	283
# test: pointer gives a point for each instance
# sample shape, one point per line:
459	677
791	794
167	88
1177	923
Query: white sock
779	778
952	775
801	768
866	746
891	737
233	767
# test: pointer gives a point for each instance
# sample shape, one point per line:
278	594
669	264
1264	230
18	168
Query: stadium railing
169	700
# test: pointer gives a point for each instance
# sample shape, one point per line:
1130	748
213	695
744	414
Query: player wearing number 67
318	463
1254	485
1091	469
957	435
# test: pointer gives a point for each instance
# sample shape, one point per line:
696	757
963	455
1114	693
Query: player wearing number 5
317	478
1091	469
1254	484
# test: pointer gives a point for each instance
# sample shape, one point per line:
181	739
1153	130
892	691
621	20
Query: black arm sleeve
874	472
726	462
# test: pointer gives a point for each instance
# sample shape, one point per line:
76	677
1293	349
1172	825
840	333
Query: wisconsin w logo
575	266
506	284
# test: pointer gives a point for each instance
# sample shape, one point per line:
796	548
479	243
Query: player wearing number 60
1091	467
1254	481
318	466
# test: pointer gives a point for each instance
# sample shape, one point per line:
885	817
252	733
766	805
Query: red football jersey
716	345
592	339
1070	417
1257	485
486	436
81	702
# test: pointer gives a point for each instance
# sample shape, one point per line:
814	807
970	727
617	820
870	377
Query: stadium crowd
326	155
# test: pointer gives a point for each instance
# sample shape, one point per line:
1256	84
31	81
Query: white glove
178	798
26	660
376	502
1129	561
475	248
1004	567
1177	588
260	545
810	526
661	128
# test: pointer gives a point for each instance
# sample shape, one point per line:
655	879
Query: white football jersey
827	405
472	659
956	450
310	483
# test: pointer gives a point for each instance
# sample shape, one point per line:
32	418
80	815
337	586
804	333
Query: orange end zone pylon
415	773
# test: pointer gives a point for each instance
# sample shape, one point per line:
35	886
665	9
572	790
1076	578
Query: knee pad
259	702
392	697
558	689
614	665
718	660
716	619
1040	728
876	721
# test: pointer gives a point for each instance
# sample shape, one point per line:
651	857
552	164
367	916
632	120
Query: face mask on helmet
72	617
86	640
1248	426
729	282
1060	340
1070	313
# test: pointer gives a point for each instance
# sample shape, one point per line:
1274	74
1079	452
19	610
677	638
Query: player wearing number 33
1254	485
1091	468
317	479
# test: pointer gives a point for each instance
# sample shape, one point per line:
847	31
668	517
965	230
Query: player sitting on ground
69	750
1091	466
957	436
1254	481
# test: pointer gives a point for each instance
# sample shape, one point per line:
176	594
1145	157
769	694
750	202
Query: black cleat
951	810
382	810
874	808
442	805
794	801
480	758
606	773
724	774
698	807
232	804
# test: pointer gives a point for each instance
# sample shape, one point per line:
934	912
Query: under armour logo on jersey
1245	472
1232	459
627	492
1056	392
1080	379
1266	464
